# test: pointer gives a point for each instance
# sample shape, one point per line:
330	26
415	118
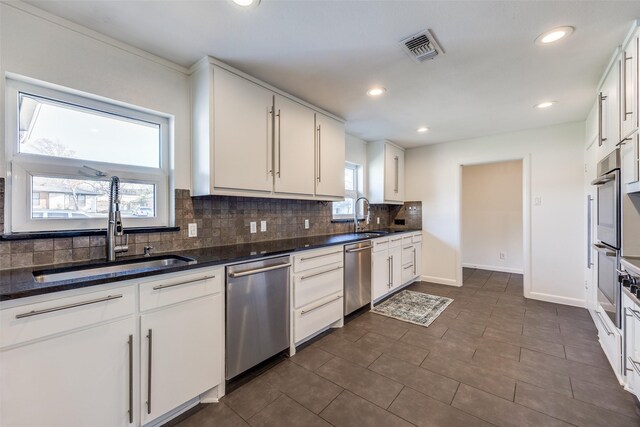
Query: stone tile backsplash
221	220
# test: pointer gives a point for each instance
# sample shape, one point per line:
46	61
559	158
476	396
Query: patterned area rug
413	307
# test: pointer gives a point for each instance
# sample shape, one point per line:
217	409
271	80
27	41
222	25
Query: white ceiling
329	52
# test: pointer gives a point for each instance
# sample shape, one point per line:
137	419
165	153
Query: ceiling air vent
421	46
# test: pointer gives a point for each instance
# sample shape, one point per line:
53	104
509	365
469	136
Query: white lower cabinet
395	262
610	340
77	379
631	362
180	354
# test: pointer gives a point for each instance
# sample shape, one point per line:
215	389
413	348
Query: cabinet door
610	119
396	266
330	151
180	354
380	274
629	89
294	147
393	173
629	159
79	379
417	263
242	129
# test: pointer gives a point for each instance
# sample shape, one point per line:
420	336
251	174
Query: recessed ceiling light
376	91
423	129
545	104
247	3
554	35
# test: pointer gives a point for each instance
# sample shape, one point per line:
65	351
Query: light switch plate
253	227
193	229
263	226
306	224
377	220
537	201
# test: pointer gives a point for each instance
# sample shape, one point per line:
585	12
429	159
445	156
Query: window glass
353	190
65	198
59	129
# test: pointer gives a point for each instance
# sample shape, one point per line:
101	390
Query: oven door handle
604	179
604	249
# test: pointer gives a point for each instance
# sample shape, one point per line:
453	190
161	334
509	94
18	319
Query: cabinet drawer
407	272
380	245
314	317
317	258
177	288
416	238
315	284
610	340
38	320
406	240
407	255
395	242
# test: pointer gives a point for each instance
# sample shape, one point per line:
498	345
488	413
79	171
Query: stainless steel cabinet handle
319	274
389	273
414	261
601	137
407	247
589	229
604	325
391	264
395	240
625	113
319	306
64	307
269	120
623	142
259	270
406	267
150	337
130	378
396	159
634	365
318	256
279	143
349	251
635	313
155	288
319	154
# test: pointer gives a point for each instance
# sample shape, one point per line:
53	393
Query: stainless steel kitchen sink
123	267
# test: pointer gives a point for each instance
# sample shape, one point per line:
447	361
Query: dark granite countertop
633	263
20	283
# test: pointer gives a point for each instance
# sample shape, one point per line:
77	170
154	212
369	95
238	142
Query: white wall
492	216
47	48
553	168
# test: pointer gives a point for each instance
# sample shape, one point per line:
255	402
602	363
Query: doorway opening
491	225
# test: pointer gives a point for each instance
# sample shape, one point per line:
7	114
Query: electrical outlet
537	201
306	224
253	227
377	220
263	226
193	230
503	255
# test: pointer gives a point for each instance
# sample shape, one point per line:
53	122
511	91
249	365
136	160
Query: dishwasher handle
349	251
259	270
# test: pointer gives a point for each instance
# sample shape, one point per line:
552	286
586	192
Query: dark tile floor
491	358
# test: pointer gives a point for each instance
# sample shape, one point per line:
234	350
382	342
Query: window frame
358	192
21	167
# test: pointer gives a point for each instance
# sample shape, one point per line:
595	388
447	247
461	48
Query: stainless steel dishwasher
357	276
257	313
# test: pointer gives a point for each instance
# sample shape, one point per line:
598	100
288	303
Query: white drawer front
407	254
38	320
610	340
179	287
315	284
406	240
407	272
416	238
314	317
395	242
380	244
317	258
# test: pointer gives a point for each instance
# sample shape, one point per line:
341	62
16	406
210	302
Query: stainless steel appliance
608	235
257	313
357	276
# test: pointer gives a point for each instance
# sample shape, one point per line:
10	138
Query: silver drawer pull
408	266
320	273
407	247
395	240
155	288
635	313
64	307
349	251
634	365
321	305
259	270
305	258
604	325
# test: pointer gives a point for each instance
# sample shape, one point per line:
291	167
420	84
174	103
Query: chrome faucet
355	213
114	226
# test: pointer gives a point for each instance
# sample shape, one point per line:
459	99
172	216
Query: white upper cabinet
330	153
250	139
629	88
609	112
242	154
386	173
294	147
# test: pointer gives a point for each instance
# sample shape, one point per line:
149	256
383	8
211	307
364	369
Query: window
353	188
63	148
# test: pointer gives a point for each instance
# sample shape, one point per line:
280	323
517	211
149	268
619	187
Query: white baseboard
440	280
575	302
495	268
